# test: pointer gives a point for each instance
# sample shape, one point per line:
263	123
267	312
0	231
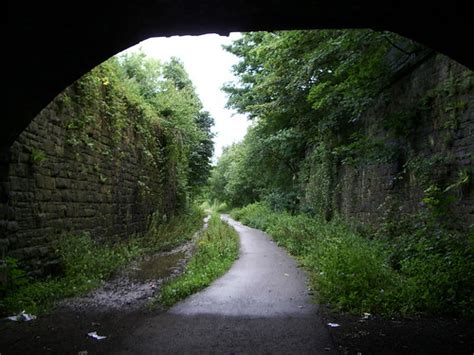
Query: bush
84	263
354	275
439	283
166	233
256	215
436	264
418	267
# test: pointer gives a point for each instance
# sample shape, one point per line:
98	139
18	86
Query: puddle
134	286
156	267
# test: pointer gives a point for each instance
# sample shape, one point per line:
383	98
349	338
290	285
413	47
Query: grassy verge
419	270
220	207
86	264
217	248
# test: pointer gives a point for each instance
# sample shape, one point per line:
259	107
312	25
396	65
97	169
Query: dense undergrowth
417	268
86	264
217	248
337	121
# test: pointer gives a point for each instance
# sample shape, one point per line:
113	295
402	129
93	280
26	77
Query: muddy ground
111	310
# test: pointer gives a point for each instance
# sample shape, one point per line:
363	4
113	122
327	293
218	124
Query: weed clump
86	263
217	248
422	268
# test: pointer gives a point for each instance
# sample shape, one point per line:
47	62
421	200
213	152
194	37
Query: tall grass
433	274
86	264
217	248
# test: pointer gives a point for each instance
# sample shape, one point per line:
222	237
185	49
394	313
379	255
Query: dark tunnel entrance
54	43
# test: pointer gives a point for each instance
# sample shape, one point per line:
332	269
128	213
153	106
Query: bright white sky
209	67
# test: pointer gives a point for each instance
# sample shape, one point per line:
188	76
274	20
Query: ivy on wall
157	104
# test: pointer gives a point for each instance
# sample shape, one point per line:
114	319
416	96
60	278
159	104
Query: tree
305	92
201	153
170	97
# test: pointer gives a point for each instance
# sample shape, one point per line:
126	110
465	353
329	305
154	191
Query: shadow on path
261	305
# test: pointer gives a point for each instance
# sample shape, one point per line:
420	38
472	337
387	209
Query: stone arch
51	44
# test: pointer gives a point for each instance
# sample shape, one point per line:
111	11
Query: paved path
260	305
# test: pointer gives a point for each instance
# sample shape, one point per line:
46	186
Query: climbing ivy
158	103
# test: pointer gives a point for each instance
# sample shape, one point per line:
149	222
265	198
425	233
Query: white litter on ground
96	336
334	325
22	317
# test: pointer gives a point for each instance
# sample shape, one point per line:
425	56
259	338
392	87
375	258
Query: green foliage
363	149
437	201
305	92
201	154
427	170
441	185
312	97
15	276
355	275
317	177
437	264
256	215
37	156
439	283
165	232
307	75
215	207
230	180
217	248
86	263
412	266
153	104
402	123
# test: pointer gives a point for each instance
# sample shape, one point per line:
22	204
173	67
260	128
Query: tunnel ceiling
51	44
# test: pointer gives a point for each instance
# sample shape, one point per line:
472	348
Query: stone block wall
51	186
437	98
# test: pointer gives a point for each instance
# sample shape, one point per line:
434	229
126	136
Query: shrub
439	282
410	267
354	275
256	215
